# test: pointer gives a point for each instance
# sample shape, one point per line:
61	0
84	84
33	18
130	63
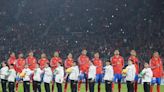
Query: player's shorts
117	77
136	77
18	78
156	80
99	77
83	76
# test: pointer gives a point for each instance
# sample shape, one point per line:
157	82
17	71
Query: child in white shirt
59	76
11	78
37	78
146	75
91	76
3	76
47	77
73	76
108	76
130	76
26	78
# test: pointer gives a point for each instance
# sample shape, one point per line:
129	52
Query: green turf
124	89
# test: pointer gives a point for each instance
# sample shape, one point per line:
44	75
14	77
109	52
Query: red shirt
157	71
118	64
68	63
31	61
54	62
20	63
12	60
98	63
43	62
135	62
83	63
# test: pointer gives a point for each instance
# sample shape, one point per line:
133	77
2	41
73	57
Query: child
74	74
3	75
108	77
47	77
130	76
146	75
59	76
37	78
91	76
26	78
11	78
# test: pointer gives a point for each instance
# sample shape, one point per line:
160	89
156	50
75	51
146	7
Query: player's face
12	55
156	54
70	55
133	52
56	54
20	55
43	55
96	55
84	52
116	52
31	54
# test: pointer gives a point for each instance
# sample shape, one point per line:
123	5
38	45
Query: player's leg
86	83
80	81
99	80
53	83
153	81
158	81
17	82
119	82
136	83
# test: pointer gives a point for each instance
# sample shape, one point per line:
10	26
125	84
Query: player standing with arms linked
67	64
117	63
135	61
99	76
157	68
83	62
53	63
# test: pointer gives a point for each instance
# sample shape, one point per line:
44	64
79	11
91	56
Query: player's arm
113	64
151	65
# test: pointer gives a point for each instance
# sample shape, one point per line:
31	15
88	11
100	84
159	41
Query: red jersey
83	63
118	64
12	60
98	63
42	62
54	62
31	61
135	62
20	63
157	68
68	63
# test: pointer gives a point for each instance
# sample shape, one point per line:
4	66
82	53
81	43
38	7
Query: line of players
85	67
